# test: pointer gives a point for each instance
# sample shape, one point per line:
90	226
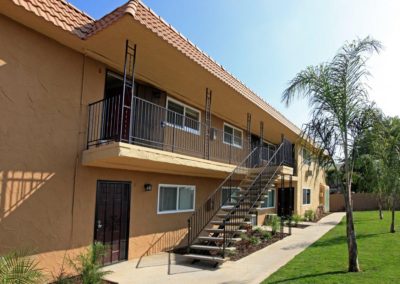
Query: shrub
88	264
296	219
254	240
265	235
274	223
244	236
258	230
309	215
62	278
19	267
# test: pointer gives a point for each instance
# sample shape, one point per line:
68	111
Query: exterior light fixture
148	187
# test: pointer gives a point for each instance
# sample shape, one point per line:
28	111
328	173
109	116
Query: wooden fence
361	202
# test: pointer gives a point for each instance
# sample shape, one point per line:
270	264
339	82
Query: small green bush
62	278
296	219
274	223
244	237
309	215
19	267
254	240
258	230
88	264
265	235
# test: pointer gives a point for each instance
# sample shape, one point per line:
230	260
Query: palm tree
338	97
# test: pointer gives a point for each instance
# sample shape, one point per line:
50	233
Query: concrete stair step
228	209
220	231
205	257
215	239
244	216
204	247
234	223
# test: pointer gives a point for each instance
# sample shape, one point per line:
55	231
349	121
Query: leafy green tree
370	162
338	97
393	165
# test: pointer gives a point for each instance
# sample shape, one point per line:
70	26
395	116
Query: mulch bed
245	248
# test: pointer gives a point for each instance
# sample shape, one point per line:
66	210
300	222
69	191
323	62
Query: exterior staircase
217	225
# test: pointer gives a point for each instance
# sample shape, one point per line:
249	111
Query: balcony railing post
189	235
88	128
173	132
230	151
224	239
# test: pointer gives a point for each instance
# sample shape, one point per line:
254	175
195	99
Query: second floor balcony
118	125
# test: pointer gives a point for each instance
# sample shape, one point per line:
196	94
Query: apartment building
120	130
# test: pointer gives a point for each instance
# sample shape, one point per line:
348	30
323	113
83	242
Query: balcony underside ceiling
125	156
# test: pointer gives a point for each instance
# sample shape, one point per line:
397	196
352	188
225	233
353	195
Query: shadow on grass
288	280
343	239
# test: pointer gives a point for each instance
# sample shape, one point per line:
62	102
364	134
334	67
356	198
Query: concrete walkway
172	268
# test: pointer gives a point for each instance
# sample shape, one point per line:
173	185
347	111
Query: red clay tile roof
61	14
69	18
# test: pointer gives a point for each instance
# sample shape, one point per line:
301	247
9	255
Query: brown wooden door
112	219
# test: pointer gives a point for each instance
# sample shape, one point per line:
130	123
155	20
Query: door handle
99	225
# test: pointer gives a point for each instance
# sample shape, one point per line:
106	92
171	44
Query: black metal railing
206	211
252	195
151	125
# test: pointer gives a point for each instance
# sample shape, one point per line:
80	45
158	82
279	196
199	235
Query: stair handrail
229	216
256	178
195	228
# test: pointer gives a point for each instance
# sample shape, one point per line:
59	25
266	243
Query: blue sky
265	43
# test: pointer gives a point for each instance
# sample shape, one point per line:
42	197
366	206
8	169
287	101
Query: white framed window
269	201
229	194
175	198
183	116
233	136
306	196
307	158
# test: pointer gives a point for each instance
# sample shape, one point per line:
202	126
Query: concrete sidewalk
171	268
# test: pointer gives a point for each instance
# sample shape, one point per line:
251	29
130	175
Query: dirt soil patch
245	247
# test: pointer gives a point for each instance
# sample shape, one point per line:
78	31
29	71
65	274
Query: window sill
233	145
174	212
183	128
265	208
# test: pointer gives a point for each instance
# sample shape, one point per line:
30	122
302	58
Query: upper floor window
306	196
233	135
175	198
307	158
183	116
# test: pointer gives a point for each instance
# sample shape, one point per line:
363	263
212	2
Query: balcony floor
118	155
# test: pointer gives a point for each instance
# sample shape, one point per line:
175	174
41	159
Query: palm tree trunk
351	236
350	232
380	207
392	229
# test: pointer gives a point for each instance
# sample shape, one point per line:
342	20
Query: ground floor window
306	196
230	195
269	201
176	198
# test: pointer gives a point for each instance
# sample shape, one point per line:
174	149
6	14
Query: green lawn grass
326	260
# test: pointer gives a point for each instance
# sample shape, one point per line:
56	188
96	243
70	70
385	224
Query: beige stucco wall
47	198
314	182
